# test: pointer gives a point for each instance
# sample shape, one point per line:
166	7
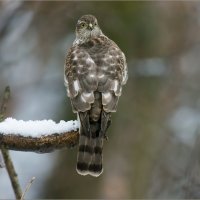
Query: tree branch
42	144
12	173
8	162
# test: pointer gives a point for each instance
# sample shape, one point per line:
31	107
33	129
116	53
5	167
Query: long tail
93	126
90	157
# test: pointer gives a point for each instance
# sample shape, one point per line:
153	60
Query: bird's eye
95	24
83	25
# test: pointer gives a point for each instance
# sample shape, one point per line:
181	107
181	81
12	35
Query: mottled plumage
95	71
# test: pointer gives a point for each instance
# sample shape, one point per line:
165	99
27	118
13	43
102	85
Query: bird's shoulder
96	49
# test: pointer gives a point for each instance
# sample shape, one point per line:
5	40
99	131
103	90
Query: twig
7	159
27	187
12	173
2	164
6	97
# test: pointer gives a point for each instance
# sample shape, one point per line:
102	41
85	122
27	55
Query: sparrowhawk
95	71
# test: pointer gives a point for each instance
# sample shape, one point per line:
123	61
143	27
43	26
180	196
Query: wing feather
80	73
112	75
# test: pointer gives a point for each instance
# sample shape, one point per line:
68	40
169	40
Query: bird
95	71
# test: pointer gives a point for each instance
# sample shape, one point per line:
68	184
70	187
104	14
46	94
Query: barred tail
90	157
96	165
85	153
93	126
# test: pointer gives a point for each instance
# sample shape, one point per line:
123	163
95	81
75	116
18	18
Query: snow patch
36	128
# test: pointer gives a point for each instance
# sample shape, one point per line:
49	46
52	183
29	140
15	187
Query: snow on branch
38	136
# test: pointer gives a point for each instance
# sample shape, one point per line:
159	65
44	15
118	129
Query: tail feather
93	126
90	157
84	157
96	166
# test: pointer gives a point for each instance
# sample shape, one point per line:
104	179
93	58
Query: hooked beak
90	27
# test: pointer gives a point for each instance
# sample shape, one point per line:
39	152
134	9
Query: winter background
153	148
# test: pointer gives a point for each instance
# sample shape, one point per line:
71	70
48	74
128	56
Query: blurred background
153	149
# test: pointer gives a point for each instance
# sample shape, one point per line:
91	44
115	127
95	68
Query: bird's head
87	27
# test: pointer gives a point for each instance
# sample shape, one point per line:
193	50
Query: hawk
94	73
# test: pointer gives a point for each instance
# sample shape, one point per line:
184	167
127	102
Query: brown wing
80	78
112	74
